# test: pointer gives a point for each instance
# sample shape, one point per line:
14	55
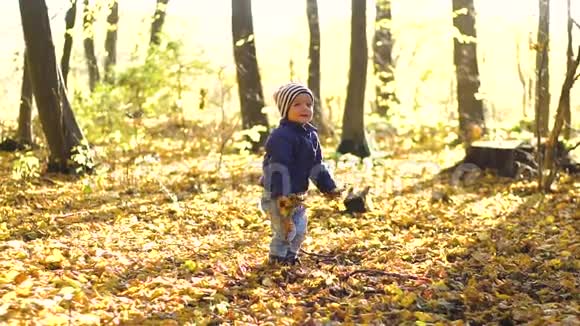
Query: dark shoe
277	260
292	258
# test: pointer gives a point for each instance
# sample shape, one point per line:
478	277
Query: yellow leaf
191	266
157	293
267	282
555	263
222	307
408	299
4	309
9	277
89	319
24	289
502	296
568	283
9	296
440	285
55	320
55	258
565	253
423	316
67	292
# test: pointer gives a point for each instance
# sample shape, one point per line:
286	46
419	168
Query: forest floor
169	240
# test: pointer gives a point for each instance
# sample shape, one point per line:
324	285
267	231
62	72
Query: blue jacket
293	156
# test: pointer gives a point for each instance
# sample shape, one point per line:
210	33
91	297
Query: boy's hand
334	194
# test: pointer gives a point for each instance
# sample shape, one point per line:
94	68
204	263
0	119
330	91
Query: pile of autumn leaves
184	243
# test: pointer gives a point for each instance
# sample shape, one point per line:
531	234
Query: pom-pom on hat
287	93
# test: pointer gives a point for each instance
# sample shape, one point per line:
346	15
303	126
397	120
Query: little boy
293	156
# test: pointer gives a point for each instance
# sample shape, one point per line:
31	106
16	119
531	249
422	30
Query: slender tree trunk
25	112
111	41
569	64
248	75
470	109
89	45
542	107
58	122
522	78
531	81
353	138
382	58
158	21
314	66
68	39
559	121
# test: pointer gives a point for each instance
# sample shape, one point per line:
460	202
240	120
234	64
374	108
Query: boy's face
301	110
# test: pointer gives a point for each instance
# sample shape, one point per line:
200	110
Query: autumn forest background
131	144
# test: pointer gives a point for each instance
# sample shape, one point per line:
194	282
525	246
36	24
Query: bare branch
317	255
573	147
375	272
575	23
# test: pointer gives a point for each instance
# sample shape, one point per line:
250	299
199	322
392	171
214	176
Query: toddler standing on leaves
293	156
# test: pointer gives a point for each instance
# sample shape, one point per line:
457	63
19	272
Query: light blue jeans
279	246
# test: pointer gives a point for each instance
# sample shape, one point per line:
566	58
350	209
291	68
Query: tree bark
89	45
353	138
314	66
542	107
158	21
382	58
569	64
470	109
25	111
58	122
111	41
68	40
248	75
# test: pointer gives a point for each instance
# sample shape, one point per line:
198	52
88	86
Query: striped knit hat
287	93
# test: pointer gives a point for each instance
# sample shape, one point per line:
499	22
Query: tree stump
504	157
509	158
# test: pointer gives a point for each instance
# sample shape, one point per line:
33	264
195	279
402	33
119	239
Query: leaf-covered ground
175	242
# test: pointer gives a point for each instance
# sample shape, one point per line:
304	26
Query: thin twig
576	23
389	274
317	255
573	147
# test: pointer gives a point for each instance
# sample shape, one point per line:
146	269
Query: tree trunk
25	112
248	75
569	64
382	58
68	40
314	66
470	109
89	45
549	160
353	132
158	21
542	107
522	78
58	122
111	41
